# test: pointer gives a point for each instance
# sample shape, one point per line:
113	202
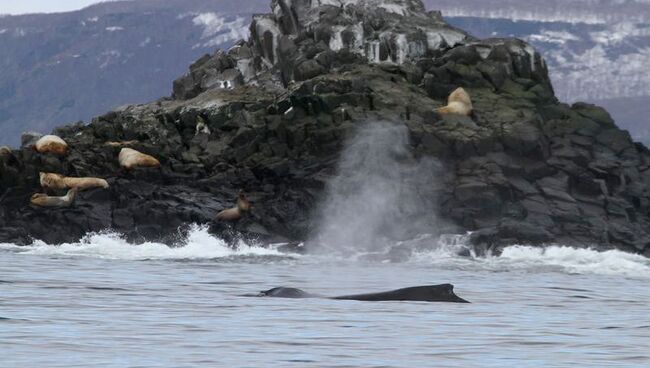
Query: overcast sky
42	6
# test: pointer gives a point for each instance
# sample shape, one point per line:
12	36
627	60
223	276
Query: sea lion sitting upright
51	144
201	126
56	181
235	213
458	103
43	200
130	158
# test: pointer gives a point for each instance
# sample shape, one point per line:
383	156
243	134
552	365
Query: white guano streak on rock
336	42
394	8
434	40
358	46
452	37
267	25
374	55
531	52
402	48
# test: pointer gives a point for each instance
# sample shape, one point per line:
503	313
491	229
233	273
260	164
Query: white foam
574	260
433	251
198	245
444	252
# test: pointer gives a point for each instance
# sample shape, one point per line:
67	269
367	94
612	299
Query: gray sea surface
106	303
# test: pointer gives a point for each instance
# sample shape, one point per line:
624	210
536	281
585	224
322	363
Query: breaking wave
573	260
446	252
199	244
449	254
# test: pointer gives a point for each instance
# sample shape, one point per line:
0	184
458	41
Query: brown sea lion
130	158
43	200
235	213
56	181
51	144
458	103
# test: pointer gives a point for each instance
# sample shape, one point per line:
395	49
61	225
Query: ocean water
106	303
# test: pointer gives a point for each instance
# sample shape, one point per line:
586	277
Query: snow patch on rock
218	29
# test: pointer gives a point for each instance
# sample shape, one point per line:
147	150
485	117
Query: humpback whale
429	293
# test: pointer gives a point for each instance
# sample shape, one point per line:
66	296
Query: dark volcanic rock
270	116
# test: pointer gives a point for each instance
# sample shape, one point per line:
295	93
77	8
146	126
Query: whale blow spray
380	194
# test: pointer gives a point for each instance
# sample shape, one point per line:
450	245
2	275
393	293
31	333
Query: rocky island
271	115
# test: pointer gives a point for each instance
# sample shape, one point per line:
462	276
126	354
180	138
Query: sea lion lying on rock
57	181
458	103
51	144
130	158
43	200
235	213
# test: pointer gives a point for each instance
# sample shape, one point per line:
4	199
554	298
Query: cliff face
524	169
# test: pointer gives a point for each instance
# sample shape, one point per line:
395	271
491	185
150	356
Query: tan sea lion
458	103
57	181
43	200
51	144
201	126
130	158
235	213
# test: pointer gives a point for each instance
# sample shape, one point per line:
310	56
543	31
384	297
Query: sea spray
197	244
381	193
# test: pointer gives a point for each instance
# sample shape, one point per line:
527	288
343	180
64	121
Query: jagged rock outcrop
273	113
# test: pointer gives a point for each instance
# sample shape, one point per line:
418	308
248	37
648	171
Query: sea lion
56	181
7	157
458	103
201	127
43	200
51	144
235	213
130	158
430	293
